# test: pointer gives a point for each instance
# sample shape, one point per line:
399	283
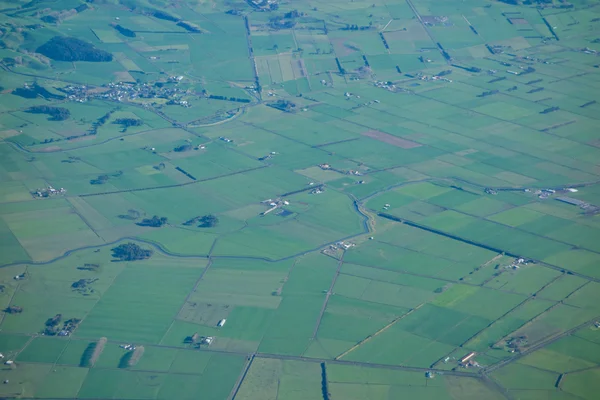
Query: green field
291	200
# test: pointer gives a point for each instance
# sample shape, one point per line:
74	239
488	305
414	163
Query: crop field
358	200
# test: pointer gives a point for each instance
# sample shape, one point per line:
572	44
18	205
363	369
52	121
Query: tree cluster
53	326
283	105
55	113
163	15
206	221
183	147
99	122
549	110
82	286
130	252
82	7
34	91
488	93
237	99
127	122
100	180
64	48
89	267
188	27
13	310
293	14
131	358
92	353
355	27
124	31
282	22
155	221
54	321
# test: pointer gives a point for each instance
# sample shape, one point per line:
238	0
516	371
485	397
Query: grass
554	361
269	276
583	384
43	350
516	376
268	379
160	292
293	325
396	346
526	280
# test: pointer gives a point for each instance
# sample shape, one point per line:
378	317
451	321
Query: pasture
339	200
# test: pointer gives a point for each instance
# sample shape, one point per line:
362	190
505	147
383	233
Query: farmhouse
221	322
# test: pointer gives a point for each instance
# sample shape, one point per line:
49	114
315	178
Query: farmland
263	200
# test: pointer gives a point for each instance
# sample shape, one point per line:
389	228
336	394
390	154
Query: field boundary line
329	292
174	185
395	367
365	340
242	377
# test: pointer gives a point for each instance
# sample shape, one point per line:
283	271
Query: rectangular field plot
270	379
237	287
381	292
216	381
43	381
141	303
396	346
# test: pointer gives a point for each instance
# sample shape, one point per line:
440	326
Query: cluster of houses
273	204
263	5
344	245
198	340
334	250
517	263
123	91
433	78
385	85
49	191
